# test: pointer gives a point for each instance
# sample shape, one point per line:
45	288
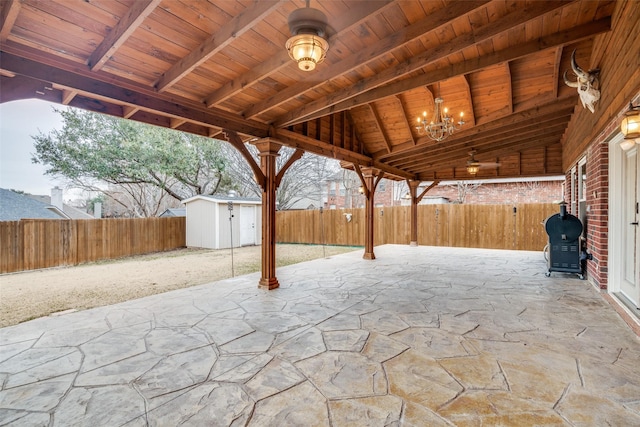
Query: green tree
146	163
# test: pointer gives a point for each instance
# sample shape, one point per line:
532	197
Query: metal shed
209	225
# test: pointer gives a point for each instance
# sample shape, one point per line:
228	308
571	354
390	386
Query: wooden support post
268	154
413	192
370	177
415	199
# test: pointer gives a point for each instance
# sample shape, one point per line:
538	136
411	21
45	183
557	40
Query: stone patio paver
419	336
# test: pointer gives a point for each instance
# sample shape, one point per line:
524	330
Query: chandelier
442	125
307	45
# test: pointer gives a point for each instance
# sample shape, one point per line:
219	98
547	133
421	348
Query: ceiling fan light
307	50
307	45
473	169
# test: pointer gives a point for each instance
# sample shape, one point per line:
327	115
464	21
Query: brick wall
501	193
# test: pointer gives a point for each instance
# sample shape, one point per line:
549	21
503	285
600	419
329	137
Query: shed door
630	283
247	225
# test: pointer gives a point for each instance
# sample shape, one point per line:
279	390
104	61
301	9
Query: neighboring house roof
15	206
224	199
174	212
304	203
70	211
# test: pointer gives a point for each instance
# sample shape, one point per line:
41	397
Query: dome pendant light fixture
307	45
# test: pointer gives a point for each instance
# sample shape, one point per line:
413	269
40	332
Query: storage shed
209	225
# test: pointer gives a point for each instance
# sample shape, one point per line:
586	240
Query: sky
19	120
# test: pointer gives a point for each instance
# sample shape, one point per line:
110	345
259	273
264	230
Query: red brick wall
504	193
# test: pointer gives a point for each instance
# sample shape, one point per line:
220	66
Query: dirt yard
32	294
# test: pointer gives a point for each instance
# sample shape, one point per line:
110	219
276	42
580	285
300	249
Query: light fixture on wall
307	45
630	127
442	125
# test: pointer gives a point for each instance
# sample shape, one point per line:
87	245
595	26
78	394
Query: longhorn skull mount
587	83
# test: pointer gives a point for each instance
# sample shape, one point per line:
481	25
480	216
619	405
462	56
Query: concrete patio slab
419	336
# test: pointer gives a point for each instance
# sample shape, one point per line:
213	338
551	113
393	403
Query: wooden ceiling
216	66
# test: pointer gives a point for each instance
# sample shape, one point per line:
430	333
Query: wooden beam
235	140
426	190
507	122
294	157
403	109
471	119
176	123
507	68
556	70
8	15
429	56
312	145
67	96
130	22
233	29
125	93
497	151
342	24
378	122
335	103
433	23
128	111
542	128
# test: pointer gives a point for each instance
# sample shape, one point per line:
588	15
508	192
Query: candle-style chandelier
441	125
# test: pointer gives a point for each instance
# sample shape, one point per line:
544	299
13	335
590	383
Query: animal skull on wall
586	82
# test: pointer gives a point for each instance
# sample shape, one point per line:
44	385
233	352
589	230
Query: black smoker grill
564	251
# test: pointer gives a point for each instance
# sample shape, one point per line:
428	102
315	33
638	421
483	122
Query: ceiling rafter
403	109
471	120
8	15
130	22
379	124
341	25
427	57
556	70
215	42
507	69
431	24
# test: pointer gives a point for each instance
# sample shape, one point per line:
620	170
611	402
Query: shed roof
224	199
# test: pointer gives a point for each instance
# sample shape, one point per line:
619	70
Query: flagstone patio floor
420	336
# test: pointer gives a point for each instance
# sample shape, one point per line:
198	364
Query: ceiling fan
473	166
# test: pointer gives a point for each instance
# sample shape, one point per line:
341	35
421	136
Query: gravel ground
32	294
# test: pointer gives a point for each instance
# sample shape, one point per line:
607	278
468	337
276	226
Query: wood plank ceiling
219	65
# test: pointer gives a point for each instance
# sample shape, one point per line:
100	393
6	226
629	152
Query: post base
268	284
413	244
369	255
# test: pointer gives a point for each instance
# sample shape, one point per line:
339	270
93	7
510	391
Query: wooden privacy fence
516	227
41	243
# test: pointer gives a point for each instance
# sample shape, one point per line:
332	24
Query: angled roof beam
357	14
346	99
87	83
430	24
376	118
403	108
8	16
131	20
216	42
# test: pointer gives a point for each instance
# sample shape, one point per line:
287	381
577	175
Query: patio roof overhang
206	67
